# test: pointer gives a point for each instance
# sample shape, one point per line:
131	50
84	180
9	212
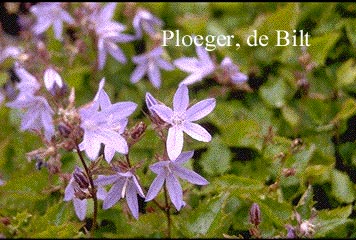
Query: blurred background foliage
300	116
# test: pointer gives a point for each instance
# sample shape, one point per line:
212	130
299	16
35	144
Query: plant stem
92	190
168	213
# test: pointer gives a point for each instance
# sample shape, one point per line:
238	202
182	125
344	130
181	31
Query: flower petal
175	191
181	99
58	28
131	199
80	207
114	194
164	112
174	142
197	132
138	73
189	175
192	78
187	64
154	75
155	187
200	109
101	54
103	180
115	51
159	167
184	157
138	187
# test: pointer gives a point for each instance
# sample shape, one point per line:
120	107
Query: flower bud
138	130
255	214
64	130
81	178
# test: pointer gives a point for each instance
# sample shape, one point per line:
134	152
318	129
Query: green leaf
348	109
206	220
346	73
321	46
216	160
350	27
341	187
291	116
274	93
306	203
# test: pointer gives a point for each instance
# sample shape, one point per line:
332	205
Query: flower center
177	119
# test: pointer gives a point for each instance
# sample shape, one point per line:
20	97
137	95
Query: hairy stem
92	190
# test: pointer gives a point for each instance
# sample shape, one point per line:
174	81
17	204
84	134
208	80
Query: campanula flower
150	64
50	14
198	68
9	51
168	172
181	120
124	185
105	126
144	20
232	71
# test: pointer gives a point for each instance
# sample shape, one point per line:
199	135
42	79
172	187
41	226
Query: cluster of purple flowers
103	123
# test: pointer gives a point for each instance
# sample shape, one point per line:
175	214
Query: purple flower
2	97
146	21
180	119
105	126
109	33
168	171
50	14
80	205
28	84
232	71
150	63
198	68
124	185
9	51
38	115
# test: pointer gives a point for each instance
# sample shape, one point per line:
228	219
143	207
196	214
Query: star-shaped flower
168	172
109	33
105	126
38	115
50	14
150	63
80	205
28	84
198	68
232	71
124	185
144	20
181	120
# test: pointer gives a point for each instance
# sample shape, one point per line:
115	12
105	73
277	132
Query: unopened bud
138	130
290	231
81	194
81	178
287	172
64	130
255	214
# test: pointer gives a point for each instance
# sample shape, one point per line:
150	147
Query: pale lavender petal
107	12
115	51
200	109
80	207
150	100
109	153
187	64
164	64
101	54
100	89
101	193
155	187
122	38
47	122
164	112
175	191
154	75
156	52
196	131
113	140
192	78
103	180
131	199
140	59
184	157
181	99
174	142
239	77
159	167
41	26
138	73
113	195
124	108
189	175
203	55
138	187
30	121
104	100
58	28
90	145
69	191
66	17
